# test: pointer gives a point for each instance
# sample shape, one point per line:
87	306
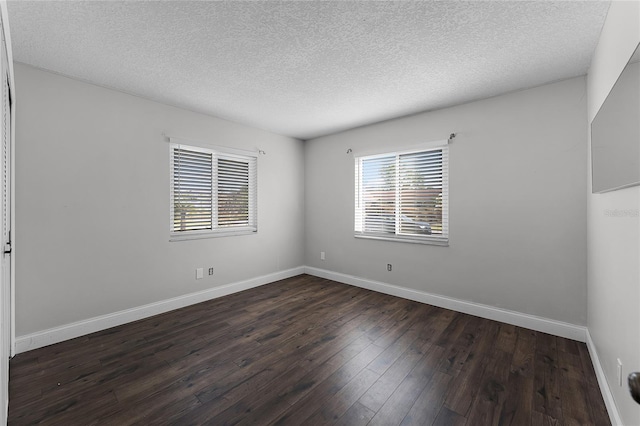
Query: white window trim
428	240
224	152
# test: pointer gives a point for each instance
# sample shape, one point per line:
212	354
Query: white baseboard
91	325
609	402
557	328
532	322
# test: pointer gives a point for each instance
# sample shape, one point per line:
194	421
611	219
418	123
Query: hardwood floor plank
506	341
493	390
323	385
596	402
154	409
389	356
540	419
575	402
447	417
460	348
547	378
427	406
453	331
403	397
68	409
307	350
518	406
333	409
382	389
465	387
268	404
357	415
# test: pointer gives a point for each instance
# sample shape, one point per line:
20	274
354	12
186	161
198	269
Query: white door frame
7	348
4	15
10	350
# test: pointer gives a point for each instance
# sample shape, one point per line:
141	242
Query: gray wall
614	238
517	203
92	203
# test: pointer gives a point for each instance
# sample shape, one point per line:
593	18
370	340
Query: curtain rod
451	138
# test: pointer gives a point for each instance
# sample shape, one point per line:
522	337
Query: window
213	192
403	196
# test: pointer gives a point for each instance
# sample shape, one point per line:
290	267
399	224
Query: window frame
217	152
438	240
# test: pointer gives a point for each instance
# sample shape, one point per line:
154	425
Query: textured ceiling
306	69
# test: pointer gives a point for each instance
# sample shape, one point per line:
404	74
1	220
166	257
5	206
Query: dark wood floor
308	351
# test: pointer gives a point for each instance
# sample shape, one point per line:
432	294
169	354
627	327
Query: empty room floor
307	350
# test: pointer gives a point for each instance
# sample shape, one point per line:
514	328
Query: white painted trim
4	11
81	328
91	325
610	403
13	214
532	322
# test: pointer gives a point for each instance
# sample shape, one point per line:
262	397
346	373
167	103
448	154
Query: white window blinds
192	189
403	196
212	192
234	190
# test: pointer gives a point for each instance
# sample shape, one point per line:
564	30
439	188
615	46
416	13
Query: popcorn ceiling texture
306	69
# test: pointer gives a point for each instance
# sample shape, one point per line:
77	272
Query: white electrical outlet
619	372
321	255
199	273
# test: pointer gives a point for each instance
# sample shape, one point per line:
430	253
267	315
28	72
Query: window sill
178	236
432	241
